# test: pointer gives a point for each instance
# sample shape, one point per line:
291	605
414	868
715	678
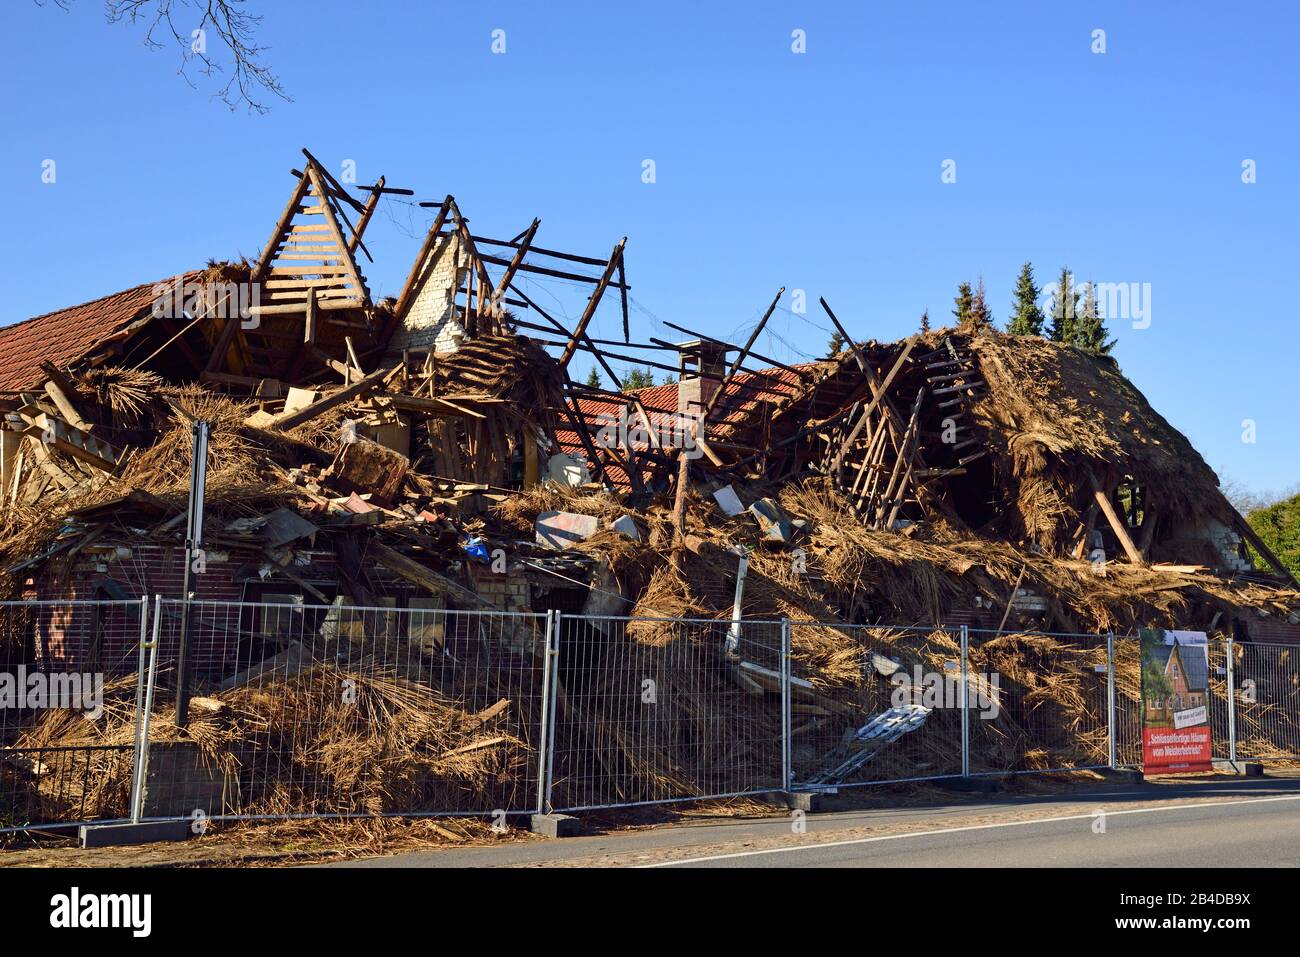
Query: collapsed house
432	451
352	440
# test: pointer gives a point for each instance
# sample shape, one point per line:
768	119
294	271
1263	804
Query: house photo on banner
1176	734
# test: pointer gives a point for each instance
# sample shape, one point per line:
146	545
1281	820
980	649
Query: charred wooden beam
581	329
744	352
520	252
369	211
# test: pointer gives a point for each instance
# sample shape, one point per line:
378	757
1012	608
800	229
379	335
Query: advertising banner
1175	693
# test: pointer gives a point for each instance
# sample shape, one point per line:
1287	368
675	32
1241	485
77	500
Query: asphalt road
1247	832
1221	822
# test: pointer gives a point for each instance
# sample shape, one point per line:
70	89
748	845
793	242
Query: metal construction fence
911	675
164	709
338	710
650	710
60	764
1263	694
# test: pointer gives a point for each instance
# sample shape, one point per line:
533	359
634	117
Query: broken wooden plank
487	714
476	746
61	391
289	420
82	446
426	578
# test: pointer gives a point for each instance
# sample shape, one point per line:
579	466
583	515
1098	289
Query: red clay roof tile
69	334
743	396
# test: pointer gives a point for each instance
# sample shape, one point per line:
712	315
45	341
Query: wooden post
1085	531
1108	509
1148	531
309	328
9	443
679	500
531	469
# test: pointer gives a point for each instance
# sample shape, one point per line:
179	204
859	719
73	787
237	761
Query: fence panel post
552	687
141	766
543	747
1110	697
787	744
137	741
965	711
1232	704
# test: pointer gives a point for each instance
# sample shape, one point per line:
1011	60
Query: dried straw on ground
327	741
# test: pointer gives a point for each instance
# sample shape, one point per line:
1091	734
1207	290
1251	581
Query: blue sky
817	171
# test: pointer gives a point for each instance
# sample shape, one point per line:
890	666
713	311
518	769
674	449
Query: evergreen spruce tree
593	379
1089	325
835	346
1065	308
1026	315
980	318
925	321
963	303
638	379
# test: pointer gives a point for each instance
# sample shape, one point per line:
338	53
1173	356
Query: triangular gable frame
308	250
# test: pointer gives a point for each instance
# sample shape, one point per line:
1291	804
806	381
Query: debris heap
433	451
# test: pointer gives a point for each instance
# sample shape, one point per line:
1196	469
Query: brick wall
81	636
428	323
1227	546
509	591
226	637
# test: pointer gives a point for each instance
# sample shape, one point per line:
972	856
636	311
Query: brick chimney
694	390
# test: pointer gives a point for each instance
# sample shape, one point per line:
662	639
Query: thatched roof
1058	417
1074	404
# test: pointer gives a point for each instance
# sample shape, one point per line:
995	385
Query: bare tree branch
226	20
